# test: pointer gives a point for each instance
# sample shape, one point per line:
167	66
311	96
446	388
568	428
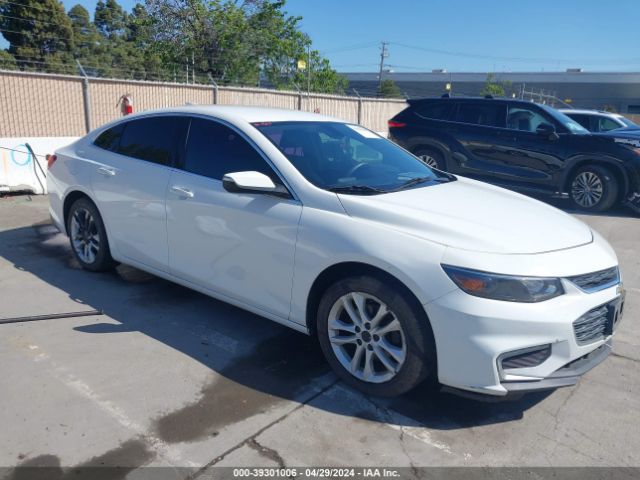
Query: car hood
472	215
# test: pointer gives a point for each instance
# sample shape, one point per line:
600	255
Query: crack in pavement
267	452
624	357
414	469
247	440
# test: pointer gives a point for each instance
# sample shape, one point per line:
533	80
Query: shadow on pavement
257	363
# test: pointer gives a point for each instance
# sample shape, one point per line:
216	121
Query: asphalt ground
166	377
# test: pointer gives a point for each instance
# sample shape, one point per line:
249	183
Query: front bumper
473	334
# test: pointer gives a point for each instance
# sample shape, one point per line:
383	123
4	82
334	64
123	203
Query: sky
469	35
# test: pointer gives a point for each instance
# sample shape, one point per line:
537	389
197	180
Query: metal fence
47	105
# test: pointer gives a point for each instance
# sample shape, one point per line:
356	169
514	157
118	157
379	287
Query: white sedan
401	271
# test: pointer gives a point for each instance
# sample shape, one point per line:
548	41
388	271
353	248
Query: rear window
110	138
482	113
153	139
434	110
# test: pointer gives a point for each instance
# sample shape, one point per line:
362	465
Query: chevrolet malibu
401	271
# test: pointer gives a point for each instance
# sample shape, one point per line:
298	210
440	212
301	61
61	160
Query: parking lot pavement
169	377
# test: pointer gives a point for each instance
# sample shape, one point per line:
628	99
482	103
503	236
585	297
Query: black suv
522	146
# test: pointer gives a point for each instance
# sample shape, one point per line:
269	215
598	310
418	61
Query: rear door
130	186
240	245
477	129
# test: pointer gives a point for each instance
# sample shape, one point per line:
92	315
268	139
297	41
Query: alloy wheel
429	160
587	189
366	337
84	235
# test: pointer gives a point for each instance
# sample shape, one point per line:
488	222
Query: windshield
348	158
627	122
570	124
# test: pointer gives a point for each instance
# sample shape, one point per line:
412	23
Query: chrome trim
603	273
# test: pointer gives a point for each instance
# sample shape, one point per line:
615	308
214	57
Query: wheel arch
69	199
338	271
434	145
614	165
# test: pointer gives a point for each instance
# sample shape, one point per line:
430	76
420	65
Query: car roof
248	114
589	112
417	101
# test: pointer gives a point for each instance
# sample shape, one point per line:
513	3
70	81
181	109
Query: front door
533	160
240	245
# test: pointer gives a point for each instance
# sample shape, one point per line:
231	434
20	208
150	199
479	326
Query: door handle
107	172
182	191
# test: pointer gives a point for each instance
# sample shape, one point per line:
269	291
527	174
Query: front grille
526	358
592	282
592	326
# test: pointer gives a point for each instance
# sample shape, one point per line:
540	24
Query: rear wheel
593	188
88	236
431	158
374	337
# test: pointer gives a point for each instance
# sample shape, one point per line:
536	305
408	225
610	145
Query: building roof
515	77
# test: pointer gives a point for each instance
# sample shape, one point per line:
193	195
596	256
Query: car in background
523	146
401	271
600	121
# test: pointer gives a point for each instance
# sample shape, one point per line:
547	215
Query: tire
88	237
408	335
593	188
432	157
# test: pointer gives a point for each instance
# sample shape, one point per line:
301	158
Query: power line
513	59
23	19
44	9
359	46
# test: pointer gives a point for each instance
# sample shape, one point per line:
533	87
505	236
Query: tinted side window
434	110
214	149
605	124
485	113
525	119
153	139
583	120
110	139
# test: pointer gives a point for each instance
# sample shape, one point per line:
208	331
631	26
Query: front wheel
88	236
593	188
374	337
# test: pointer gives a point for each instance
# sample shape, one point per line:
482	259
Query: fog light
525	358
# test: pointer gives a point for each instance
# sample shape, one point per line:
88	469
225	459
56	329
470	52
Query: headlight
504	287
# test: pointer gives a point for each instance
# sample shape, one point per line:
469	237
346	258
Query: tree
110	19
238	42
495	88
389	89
7	62
39	34
86	39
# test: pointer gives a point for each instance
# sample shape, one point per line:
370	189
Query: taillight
394	124
51	159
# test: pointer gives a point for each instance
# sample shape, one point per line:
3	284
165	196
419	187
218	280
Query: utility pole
309	69
384	53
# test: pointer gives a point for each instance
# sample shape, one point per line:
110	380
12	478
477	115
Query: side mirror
547	130
251	182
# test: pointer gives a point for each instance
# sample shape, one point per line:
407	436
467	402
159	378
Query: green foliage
389	89
250	42
494	87
39	34
7	62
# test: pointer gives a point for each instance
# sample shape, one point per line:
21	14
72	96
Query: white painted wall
17	171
